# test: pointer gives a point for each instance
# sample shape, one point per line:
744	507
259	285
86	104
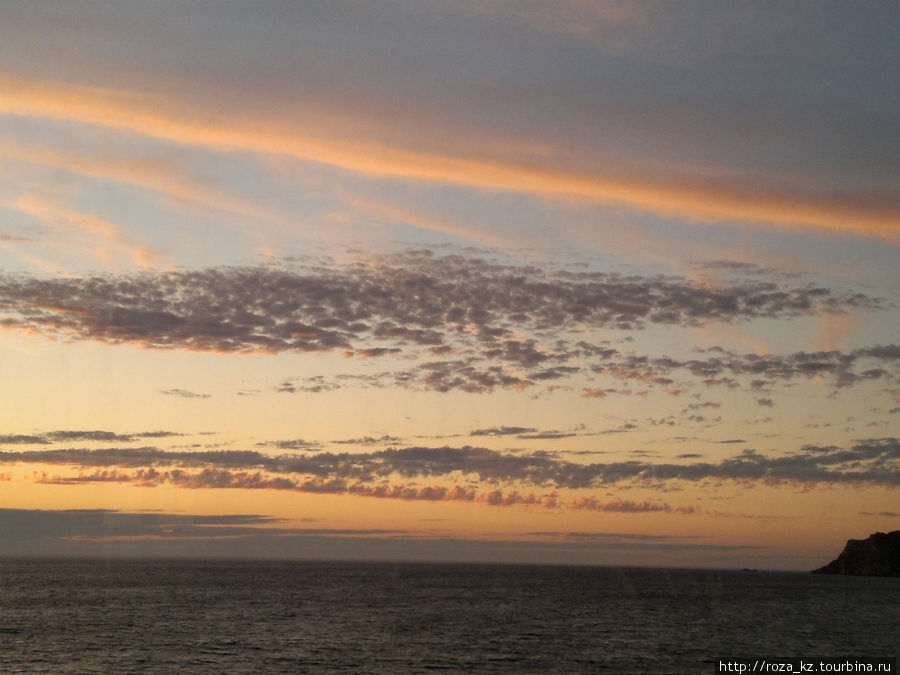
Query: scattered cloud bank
642	373
414	298
845	368
472	324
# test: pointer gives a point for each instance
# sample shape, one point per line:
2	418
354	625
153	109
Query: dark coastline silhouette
877	556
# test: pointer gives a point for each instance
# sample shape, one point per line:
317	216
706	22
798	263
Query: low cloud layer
109	533
84	523
73	435
868	462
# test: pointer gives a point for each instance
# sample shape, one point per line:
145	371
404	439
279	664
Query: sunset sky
582	282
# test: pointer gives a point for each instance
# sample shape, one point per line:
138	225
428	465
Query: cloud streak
154	174
183	393
112	525
68	436
699	198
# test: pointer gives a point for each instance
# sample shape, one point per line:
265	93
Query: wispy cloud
384	439
67	436
158	174
291	444
183	393
111	240
695	197
502	431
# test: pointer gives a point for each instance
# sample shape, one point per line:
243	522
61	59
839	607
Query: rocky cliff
877	556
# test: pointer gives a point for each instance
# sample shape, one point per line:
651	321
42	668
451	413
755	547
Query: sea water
89	616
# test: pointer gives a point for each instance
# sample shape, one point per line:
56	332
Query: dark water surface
242	617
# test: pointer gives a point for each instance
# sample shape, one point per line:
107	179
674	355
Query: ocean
151	616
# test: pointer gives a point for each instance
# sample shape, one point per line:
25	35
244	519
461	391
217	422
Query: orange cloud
112	237
706	198
834	330
426	222
149	174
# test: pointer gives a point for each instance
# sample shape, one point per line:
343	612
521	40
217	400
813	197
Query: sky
608	283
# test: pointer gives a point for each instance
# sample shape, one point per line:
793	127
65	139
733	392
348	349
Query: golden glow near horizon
555	296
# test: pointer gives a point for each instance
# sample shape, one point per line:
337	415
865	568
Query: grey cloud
105	476
83	523
370	440
843	368
24	439
291	444
183	393
138	457
65	436
92	532
590	392
619	505
701	406
313	384
108	436
554	373
621	429
502	431
223	478
374	352
547	435
463	375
